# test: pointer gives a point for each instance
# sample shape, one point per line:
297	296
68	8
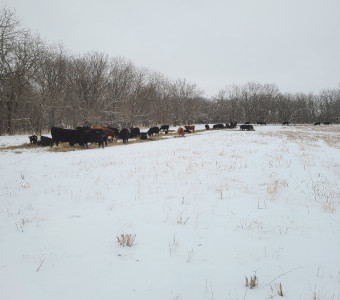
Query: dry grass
126	239
252	282
328	199
302	134
65	147
19	147
181	220
329	206
279	290
310	135
274	188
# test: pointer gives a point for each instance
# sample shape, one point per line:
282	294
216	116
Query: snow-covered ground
207	211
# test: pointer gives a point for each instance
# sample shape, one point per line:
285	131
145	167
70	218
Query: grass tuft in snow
19	147
126	239
279	290
252	282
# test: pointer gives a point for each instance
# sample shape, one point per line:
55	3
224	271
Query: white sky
292	43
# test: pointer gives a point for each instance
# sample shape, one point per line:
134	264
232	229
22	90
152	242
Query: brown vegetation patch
309	135
19	147
274	188
177	136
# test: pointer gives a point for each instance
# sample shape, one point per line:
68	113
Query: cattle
115	130
134	132
246	127
246	123
124	135
45	141
80	136
261	123
94	136
165	128
317	123
218	126
33	139
187	131
190	127
153	130
285	123
109	134
64	135
180	131
207	127
143	135
232	124
327	123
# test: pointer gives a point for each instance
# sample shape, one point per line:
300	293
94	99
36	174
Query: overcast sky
213	43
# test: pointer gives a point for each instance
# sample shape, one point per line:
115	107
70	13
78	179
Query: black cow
165	128
93	136
45	141
134	132
153	130
33	139
232	124
82	136
246	127
317	123
115	130
143	135
285	123
64	135
124	135
327	123
218	126
207	127
247	123
261	123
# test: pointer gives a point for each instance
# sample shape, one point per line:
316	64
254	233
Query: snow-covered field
207	211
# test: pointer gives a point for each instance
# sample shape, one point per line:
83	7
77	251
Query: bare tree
51	84
329	105
19	52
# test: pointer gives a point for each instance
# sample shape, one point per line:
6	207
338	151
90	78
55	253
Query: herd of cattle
95	135
101	135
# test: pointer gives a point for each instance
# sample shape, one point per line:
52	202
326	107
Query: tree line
44	85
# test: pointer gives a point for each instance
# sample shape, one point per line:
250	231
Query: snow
207	210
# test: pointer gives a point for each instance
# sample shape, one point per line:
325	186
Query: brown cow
109	134
191	127
180	131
